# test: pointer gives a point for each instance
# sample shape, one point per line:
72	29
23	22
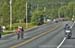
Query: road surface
45	36
70	43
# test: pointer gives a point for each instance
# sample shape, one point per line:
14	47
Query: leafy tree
19	10
37	17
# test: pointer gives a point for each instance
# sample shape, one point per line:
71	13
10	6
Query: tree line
36	11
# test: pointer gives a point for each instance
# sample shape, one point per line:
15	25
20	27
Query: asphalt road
9	41
70	43
50	40
42	37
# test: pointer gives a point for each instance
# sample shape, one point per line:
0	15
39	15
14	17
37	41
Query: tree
37	17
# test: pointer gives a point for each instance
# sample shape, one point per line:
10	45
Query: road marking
64	38
25	42
61	43
73	24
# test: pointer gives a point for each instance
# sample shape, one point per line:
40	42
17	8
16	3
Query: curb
12	34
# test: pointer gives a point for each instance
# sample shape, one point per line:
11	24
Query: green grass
4	33
15	25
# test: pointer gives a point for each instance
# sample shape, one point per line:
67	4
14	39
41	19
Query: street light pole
10	14
26	15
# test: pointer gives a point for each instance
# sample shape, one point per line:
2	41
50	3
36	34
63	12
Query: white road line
73	24
61	43
64	38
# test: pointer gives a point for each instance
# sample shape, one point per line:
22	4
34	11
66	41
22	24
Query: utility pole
44	14
10	14
26	15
